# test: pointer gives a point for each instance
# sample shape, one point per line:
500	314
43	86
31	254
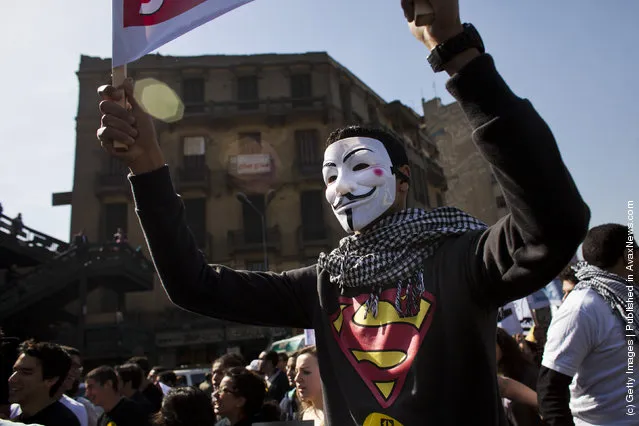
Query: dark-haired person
102	389
393	305
223	363
185	406
38	374
149	390
568	280
512	363
583	379
276	379
241	399
130	377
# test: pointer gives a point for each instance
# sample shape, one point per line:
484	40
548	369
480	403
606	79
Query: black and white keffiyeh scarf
614	290
393	251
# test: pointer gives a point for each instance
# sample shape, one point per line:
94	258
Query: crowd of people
47	386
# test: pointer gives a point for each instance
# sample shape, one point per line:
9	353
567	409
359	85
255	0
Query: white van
193	376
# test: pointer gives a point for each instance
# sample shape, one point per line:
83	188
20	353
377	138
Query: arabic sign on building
253	164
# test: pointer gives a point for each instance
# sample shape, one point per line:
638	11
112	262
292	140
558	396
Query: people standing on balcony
150	391
16	225
405	308
38	374
102	389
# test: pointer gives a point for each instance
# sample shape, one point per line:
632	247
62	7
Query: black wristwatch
444	52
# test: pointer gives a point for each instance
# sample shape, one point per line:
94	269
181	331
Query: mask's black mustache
349	198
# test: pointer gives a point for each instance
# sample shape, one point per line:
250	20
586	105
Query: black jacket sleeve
547	217
285	300
553	394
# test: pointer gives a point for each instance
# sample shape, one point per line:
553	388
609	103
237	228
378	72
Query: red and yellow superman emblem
382	348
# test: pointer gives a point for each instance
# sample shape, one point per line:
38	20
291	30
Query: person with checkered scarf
587	374
404	309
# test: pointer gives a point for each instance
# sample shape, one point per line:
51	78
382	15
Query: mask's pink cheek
378	172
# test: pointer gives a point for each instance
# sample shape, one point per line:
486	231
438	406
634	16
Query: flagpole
118	75
424	14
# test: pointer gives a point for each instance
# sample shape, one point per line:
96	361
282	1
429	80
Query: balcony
59	281
112	184
194	178
272	111
28	247
239	241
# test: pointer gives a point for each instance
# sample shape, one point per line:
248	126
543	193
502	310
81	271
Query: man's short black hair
272	357
568	274
230	360
168	378
604	245
130	373
142	362
391	141
54	360
104	374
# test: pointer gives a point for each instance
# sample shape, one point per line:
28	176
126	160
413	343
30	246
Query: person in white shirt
586	377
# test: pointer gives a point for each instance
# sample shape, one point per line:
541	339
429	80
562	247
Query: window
195	209
115	216
301	90
252	219
194	152
347	104
308	150
501	202
193	94
313	226
247	90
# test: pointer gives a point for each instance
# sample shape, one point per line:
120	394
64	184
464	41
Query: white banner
141	26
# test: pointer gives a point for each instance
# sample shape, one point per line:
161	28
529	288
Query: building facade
245	144
471	183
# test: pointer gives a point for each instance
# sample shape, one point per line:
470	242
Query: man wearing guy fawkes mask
404	310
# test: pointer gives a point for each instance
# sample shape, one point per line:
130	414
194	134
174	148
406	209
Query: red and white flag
141	26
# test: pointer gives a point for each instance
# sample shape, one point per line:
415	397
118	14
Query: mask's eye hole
360	166
331	179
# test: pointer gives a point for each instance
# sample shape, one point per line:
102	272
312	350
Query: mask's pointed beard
349	219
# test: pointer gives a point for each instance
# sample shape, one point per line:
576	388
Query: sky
576	60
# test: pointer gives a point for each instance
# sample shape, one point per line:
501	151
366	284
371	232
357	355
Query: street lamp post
268	197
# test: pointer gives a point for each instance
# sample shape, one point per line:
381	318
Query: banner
141	26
